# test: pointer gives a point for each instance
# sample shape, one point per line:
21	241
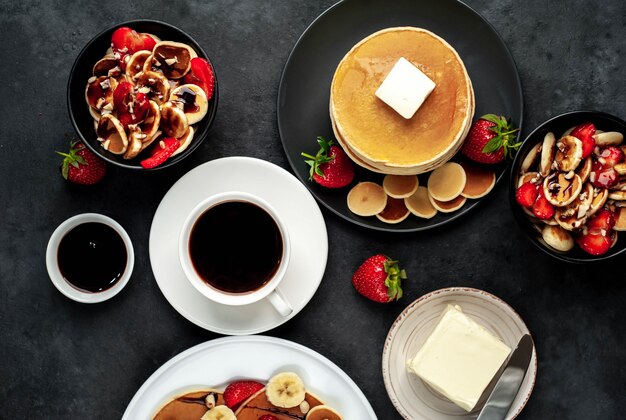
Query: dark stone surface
60	359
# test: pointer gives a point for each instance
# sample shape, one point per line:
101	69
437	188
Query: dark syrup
236	247
188	98
92	257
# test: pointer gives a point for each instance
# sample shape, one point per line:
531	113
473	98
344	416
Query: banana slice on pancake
574	216
173	120
569	153
558	238
285	390
561	189
367	199
419	204
219	412
394	212
608	138
192	100
323	412
547	154
530	159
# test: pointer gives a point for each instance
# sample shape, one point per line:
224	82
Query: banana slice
150	124
600	195
184	141
171	58
530	159
609	138
323	412
135	64
573	216
620	168
135	143
173	120
547	154
617	195
569	153
155	85
219	412
285	390
558	238
585	169
192	100
620	219
112	135
534	177
561	189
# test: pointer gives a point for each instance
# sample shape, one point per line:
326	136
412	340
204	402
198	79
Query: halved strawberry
602	176
611	156
147	42
131	107
161	152
237	392
527	194
542	208
201	74
603	220
584	133
594	243
126	41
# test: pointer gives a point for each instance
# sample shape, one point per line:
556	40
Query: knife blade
509	383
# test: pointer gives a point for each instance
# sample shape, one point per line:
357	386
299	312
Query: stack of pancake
372	133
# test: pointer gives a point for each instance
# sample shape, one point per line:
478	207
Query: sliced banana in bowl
173	120
569	153
547	154
193	101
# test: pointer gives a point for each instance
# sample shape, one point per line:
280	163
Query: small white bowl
53	266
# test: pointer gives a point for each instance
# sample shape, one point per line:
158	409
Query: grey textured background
60	359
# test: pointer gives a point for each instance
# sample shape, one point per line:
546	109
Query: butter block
405	88
459	358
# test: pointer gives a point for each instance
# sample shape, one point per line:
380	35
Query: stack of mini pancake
373	134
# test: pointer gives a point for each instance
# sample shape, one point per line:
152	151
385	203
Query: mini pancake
448	206
394	212
530	159
190	406
534	177
584	170
447	182
420	205
374	131
400	186
367	199
620	219
258	405
479	182
617	195
323	412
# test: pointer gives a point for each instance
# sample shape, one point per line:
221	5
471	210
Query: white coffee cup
269	290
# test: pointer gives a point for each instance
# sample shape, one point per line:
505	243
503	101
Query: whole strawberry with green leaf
330	167
491	139
81	166
379	278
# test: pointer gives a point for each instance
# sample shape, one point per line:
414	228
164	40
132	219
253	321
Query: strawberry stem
395	275
320	158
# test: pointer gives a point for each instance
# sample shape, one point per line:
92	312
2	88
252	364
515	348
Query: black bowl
558	125
82	70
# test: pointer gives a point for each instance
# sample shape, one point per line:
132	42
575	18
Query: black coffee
236	246
92	257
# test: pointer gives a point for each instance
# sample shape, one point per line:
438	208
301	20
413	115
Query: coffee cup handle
279	303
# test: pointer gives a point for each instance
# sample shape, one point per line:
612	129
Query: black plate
82	71
558	125
304	89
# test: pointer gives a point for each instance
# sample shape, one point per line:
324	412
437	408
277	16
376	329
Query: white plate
287	195
217	362
415	400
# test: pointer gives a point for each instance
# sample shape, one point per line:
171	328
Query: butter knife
508	385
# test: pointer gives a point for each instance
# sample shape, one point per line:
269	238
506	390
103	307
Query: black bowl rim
192	146
523	224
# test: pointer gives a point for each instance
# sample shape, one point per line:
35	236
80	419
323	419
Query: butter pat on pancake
479	181
447	182
419	204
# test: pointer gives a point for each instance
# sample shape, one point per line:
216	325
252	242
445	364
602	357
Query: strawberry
594	243
161	152
126	41
526	194
603	177
603	220
82	166
584	133
201	74
237	392
610	156
131	107
542	208
268	417
379	278
330	167
490	140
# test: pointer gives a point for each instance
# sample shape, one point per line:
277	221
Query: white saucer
284	192
413	398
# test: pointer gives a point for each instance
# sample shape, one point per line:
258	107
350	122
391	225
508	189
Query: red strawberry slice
379	279
542	208
603	177
201	74
131	107
603	220
147	42
527	194
238	392
584	133
161	152
330	167
594	243
610	156
82	166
